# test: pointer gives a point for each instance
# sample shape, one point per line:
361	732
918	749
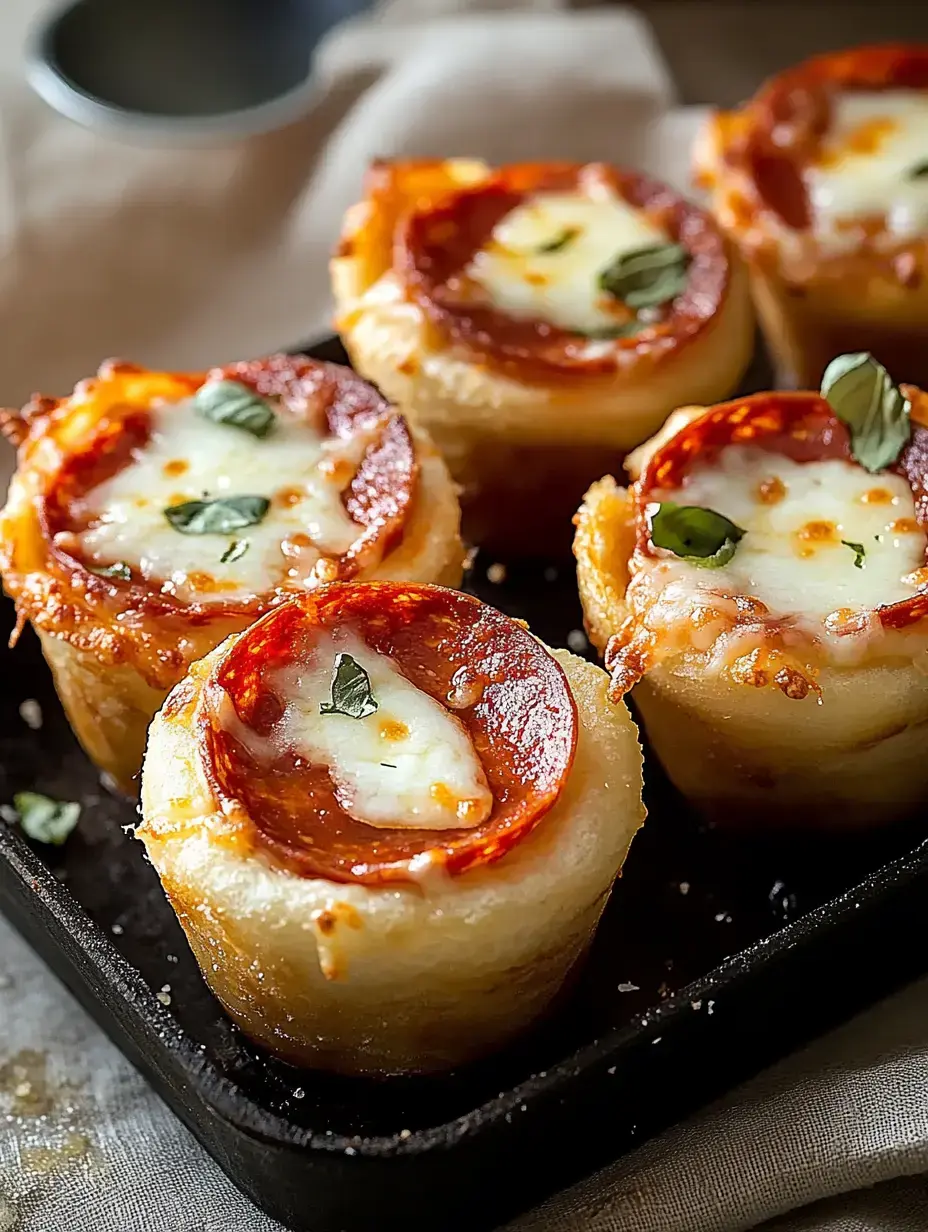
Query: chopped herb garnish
46	820
235	551
647	277
389	765
917	171
561	240
351	690
701	536
861	393
235	404
859	552
217	517
118	570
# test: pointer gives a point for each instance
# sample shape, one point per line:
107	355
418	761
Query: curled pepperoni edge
388	470
788	117
533	349
547	756
802	427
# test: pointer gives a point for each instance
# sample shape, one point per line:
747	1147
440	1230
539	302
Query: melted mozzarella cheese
188	457
410	763
561	287
863	171
792	557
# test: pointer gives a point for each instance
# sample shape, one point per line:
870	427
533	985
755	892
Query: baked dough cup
366	950
836	266
763	714
118	634
523	408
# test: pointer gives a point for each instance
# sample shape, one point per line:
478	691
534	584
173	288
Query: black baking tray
718	953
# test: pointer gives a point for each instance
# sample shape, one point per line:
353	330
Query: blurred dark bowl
181	70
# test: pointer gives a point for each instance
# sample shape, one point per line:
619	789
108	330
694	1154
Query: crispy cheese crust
521	417
116	650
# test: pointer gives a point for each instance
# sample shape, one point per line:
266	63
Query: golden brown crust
751	758
603	544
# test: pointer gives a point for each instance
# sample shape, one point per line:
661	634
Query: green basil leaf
861	393
917	171
859	552
351	690
235	551
647	277
232	403
701	536
217	517
118	570
561	240
46	820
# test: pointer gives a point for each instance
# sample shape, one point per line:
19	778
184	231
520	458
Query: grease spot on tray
45	1159
46	1116
24	1078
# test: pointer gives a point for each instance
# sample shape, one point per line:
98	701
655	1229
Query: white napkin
191	257
806	1140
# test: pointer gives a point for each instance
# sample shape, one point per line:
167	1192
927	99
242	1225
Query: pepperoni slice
378	498
790	115
510	695
802	427
438	240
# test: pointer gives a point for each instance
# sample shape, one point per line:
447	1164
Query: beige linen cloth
190	257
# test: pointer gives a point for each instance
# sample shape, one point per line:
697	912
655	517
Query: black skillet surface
717	954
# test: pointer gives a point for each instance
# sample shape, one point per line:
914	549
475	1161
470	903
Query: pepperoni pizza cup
534	316
763	583
152	514
388	819
822	182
